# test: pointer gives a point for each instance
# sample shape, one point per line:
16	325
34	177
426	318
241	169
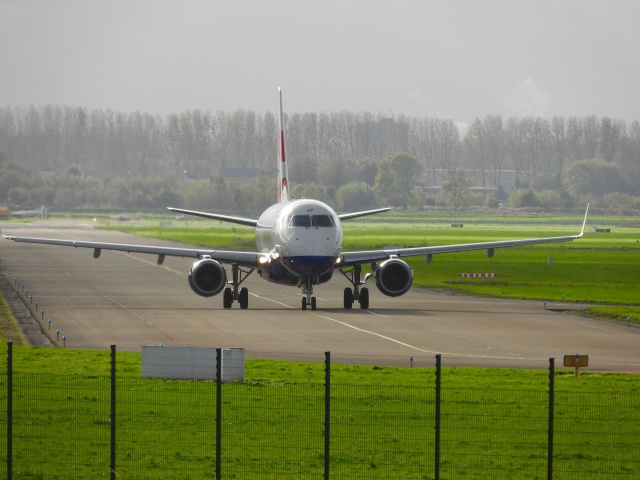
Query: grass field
9	331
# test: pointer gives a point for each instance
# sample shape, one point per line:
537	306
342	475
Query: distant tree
396	178
593	177
363	170
418	198
302	169
475	150
73	170
523	198
333	171
354	196
620	201
260	193
493	140
310	190
436	144
457	189
633	159
557	198
18	196
15	183
204	195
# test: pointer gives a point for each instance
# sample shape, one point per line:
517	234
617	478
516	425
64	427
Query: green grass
494	421
9	331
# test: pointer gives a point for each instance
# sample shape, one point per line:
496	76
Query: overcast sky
450	59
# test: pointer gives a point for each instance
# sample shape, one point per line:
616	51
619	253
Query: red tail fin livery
283	170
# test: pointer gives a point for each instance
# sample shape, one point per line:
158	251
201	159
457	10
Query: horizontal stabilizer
348	216
216	216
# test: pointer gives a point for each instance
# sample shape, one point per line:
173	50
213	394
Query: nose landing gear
308	300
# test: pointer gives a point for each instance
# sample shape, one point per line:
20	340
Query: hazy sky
450	59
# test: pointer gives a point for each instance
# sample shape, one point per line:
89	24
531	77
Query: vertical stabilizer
283	171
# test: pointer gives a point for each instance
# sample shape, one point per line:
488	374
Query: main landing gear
242	295
360	295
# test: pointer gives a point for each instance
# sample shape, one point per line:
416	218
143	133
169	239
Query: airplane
299	243
36	212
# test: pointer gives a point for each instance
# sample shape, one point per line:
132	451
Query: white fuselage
302	238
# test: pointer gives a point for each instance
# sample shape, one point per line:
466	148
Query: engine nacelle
207	277
394	277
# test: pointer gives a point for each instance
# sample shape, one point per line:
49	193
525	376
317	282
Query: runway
128	300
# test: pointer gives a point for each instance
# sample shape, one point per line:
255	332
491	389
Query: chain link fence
57	425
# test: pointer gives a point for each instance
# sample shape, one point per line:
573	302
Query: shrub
556	199
523	198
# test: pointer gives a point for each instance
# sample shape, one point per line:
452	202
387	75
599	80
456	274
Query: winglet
584	223
283	170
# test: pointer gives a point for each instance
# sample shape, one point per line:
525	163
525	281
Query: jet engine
207	277
394	277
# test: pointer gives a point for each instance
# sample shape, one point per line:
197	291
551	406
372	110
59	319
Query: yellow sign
576	361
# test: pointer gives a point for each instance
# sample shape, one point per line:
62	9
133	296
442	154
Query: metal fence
122	426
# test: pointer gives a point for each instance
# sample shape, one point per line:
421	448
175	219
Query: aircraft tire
313	303
348	298
304	303
364	299
227	298
244	298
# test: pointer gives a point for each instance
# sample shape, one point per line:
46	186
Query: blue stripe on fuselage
288	270
310	264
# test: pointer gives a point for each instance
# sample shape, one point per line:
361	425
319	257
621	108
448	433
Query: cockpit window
321	221
307	221
300	221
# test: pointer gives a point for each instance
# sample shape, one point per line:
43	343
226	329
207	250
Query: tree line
145	158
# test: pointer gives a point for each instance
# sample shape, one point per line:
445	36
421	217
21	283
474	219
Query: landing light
263	260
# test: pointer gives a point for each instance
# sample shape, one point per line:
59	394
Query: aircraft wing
247	259
355	258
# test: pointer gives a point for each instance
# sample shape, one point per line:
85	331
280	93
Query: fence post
551	413
9	410
327	413
437	419
218	413
112	465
